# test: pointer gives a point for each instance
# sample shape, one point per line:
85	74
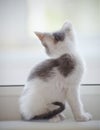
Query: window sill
64	125
11	120
15	90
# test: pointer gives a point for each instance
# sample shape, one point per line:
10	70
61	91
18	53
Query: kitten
55	80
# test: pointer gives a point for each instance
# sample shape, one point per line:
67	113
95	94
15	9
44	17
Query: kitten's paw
62	116
57	118
84	117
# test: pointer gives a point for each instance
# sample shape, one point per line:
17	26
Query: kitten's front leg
76	105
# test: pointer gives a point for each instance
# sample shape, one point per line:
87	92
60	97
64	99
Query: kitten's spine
50	114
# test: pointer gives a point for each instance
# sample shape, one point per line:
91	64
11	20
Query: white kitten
56	80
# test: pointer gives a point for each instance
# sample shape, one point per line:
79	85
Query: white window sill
64	125
15	90
10	118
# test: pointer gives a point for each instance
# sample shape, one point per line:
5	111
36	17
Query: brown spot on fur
44	70
65	65
59	36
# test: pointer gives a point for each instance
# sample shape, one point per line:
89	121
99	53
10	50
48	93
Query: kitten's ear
39	35
67	26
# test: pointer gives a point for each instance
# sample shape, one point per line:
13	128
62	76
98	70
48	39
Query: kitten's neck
66	50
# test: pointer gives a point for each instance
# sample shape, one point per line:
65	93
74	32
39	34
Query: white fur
38	95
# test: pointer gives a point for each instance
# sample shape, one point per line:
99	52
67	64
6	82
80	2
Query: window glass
20	50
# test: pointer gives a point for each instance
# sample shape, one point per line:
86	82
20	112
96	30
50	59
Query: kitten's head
59	42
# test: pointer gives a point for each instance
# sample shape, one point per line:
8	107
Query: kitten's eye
58	36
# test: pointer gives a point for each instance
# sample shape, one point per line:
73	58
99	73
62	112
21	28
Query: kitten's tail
50	114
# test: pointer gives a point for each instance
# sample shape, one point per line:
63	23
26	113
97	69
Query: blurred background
20	50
